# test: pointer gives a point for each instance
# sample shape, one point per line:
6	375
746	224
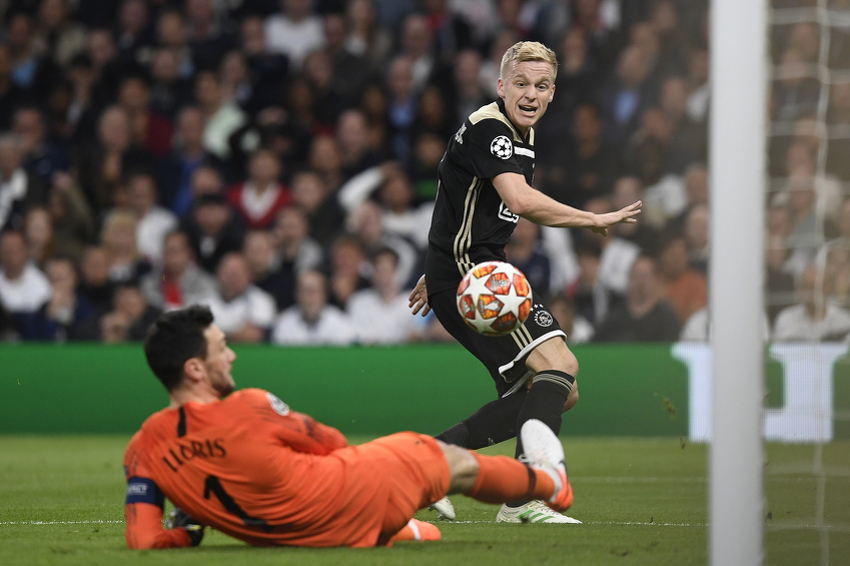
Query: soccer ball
494	298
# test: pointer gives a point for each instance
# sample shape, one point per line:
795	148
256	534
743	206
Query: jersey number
213	485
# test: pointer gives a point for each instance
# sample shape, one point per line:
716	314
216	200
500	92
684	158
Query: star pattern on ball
501	147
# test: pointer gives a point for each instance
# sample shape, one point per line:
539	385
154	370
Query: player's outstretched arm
419	298
530	203
144	529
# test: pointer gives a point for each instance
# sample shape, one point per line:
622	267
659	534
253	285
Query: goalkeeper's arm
143	510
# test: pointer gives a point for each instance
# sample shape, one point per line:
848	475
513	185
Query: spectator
381	314
618	254
213	230
38	231
839	116
19	190
696	236
101	166
640	233
686	289
347	267
312	321
468	92
243	311
324	214
67	313
96	286
221	117
366	223
259	198
350	70
179	281
32	71
23	287
209	36
401	217
295	32
806	234
699	89
624	97
402	106
296	252
591	299
172	37
170	88
235	80
130	318
11	95
779	284
269	70
153	221
325	160
417	46
525	253
575	326
148	130
41	157
355	152
794	94
133	31
266	272
73	224
176	169
586	168
644	316
126	264
815	316
365	36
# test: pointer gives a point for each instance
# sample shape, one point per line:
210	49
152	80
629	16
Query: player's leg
497	479
553	387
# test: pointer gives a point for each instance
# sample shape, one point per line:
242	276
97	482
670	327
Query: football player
484	186
247	465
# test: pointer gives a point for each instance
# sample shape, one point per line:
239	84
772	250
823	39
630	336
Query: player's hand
626	215
419	298
178	519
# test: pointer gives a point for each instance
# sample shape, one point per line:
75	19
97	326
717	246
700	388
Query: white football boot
543	451
444	509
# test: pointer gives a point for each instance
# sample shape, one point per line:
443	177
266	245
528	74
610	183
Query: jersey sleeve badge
502	147
279	406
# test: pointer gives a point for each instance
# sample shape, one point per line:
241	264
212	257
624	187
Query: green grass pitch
642	501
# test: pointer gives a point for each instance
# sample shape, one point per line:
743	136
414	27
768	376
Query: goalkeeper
252	468
484	182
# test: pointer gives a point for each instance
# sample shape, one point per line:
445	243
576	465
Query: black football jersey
470	223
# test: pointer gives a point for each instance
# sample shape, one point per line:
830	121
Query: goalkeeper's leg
499	479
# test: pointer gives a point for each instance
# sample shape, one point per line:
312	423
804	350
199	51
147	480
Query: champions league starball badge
501	147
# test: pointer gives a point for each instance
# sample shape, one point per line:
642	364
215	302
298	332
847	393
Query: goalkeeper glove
179	519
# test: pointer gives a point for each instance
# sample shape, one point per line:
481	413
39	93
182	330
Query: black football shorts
504	356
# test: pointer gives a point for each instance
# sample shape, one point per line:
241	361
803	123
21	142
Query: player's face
527	91
219	361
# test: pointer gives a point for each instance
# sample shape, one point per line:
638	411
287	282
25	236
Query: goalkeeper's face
219	361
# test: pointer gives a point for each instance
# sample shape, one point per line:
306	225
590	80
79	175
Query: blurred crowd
277	159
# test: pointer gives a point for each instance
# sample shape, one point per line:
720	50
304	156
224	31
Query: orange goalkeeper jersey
253	469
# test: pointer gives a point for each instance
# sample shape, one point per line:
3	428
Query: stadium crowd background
277	160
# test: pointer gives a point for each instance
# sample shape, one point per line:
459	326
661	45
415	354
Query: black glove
178	519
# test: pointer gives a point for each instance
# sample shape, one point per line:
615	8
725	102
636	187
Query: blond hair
523	51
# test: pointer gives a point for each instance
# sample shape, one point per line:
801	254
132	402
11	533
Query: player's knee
553	354
463	467
572	399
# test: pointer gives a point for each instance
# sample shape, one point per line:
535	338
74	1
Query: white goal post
737	175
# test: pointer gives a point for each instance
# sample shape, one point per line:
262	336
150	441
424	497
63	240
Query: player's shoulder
257	400
489	121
